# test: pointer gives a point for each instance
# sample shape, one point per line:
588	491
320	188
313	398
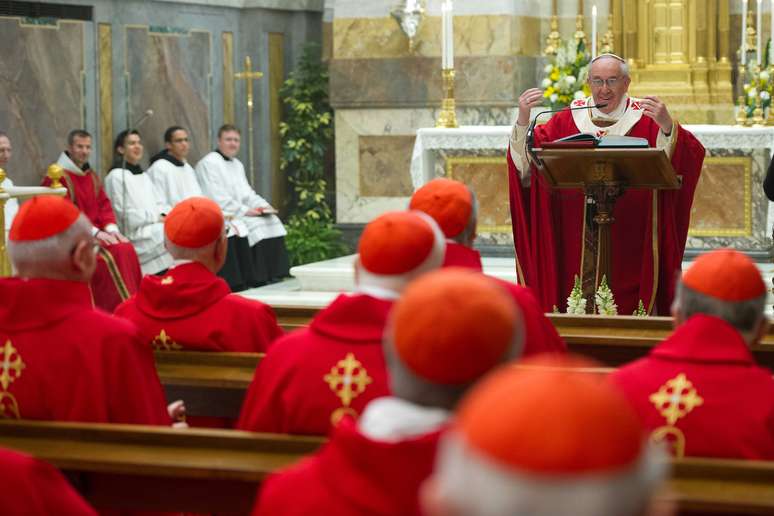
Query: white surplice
139	216
173	183
225	182
11	207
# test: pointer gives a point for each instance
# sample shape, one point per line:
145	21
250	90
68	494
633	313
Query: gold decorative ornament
55	174
579	34
2	179
741	114
554	39
409	16
348	379
607	44
164	342
247	74
447	118
676	398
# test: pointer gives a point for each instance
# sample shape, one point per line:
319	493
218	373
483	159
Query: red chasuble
458	255
648	236
66	361
33	487
701	391
352	475
118	271
191	308
312	377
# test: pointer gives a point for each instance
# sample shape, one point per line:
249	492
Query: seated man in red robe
190	307
36	488
118	269
545	441
62	359
700	390
550	226
310	378
448	329
455	208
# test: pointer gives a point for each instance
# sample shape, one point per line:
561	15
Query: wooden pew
131	467
151	468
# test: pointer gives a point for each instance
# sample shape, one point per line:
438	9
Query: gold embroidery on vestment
164	342
11	367
348	379
676	398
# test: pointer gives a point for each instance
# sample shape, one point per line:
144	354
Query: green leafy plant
640	311
307	132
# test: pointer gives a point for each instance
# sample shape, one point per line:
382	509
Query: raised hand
530	98
653	107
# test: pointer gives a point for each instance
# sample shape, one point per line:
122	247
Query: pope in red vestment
700	390
190	307
650	229
118	271
455	208
311	378
436	347
62	359
34	487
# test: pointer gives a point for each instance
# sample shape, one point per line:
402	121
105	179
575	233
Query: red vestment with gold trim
701	390
314	376
648	236
352	475
63	360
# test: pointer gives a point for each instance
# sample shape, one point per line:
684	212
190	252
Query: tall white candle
444	36
450	12
593	31
759	27
743	48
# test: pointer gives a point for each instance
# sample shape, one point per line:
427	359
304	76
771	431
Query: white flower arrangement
604	299
576	303
566	75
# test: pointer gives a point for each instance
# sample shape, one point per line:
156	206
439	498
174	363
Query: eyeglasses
611	82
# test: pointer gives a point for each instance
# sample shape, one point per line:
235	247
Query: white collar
394	419
615	114
68	164
377	292
631	113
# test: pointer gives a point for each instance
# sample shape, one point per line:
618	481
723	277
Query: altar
729	209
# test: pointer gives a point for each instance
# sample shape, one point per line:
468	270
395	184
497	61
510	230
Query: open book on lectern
585	140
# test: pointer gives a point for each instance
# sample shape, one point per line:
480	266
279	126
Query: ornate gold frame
479	160
746	162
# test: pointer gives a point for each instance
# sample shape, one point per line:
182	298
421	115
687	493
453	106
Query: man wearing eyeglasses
172	176
650	229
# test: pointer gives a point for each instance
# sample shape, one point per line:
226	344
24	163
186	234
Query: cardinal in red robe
650	229
313	377
36	488
455	208
545	439
436	347
62	359
700	390
190	307
118	271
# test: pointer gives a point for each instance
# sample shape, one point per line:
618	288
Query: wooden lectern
604	174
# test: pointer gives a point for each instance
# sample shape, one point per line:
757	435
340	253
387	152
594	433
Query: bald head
609	81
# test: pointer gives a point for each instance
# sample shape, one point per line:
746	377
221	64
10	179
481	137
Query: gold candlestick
554	39
579	34
741	115
608	39
55	173
448	115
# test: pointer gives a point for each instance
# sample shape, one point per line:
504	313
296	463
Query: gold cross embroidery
167	280
165	343
676	398
11	365
9	407
348	379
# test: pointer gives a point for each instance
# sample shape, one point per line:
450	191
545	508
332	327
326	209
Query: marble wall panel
42	92
488	178
416	82
170	73
384	166
724	182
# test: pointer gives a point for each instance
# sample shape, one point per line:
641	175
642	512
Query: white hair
55	249
395	283
624	66
467	235
476	485
194	254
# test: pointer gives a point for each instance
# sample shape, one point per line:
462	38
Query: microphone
148	113
531	129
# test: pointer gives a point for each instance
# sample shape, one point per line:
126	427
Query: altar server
118	268
173	177
449	328
140	212
189	307
62	359
222	178
313	377
700	390
544	440
455	208
11	205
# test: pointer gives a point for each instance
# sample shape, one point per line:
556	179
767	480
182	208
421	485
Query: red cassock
63	360
191	308
648	236
33	487
701	391
352	475
312	377
458	255
118	271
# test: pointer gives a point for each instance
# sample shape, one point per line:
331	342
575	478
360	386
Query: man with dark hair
11	205
700	390
172	176
118	269
263	257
